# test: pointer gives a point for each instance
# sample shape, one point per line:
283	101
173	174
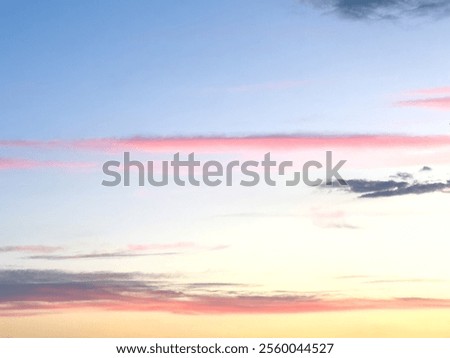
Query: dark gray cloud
62	277
16	283
62	286
369	186
56	286
385	9
403	175
409	189
56	276
388	188
425	169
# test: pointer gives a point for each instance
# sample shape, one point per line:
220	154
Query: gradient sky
82	82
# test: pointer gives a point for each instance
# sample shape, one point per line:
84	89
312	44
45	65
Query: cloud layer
52	253
215	144
26	292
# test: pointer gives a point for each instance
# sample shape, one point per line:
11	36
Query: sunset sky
83	82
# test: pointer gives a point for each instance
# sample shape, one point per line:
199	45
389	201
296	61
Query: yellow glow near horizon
431	323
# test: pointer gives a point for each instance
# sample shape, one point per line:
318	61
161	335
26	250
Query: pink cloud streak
432	91
105	301
383	150
435	103
221	144
10	164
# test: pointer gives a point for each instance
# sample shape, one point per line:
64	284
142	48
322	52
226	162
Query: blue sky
78	69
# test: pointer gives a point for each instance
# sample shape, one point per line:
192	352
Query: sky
83	82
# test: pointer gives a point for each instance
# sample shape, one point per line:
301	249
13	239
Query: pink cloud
361	151
45	300
436	103
218	144
222	144
432	91
6	163
30	292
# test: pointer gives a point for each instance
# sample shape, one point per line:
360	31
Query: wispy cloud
30	249
431	91
31	292
132	250
434	98
98	255
403	176
14	163
220	144
152	247
385	9
442	103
